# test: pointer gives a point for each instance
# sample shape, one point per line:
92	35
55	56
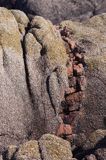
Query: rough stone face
58	10
47	147
21	19
91	37
90	157
15	108
11	150
28	150
32	75
1	158
96	140
55	148
101	153
45	60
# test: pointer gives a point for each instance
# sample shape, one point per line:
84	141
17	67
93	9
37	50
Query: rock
21	19
74	98
96	139
48	147
46	64
101	153
90	35
70	70
15	107
57	10
82	83
90	157
11	150
78	69
70	91
55	148
33	78
28	150
1	157
64	130
79	139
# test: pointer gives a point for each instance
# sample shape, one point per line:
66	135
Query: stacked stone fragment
74	96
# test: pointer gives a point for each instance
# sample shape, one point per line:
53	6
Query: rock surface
45	61
96	139
58	10
34	81
55	148
48	147
32	75
91	37
15	106
28	150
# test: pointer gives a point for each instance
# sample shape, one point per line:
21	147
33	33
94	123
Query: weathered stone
15	107
46	64
1	157
82	83
90	157
28	151
74	98
78	69
91	36
96	139
57	10
11	150
64	130
21	19
101	153
32	76
55	148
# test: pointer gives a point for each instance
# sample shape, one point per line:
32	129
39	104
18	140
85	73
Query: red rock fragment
75	97
64	129
82	83
71	43
79	69
78	55
70	91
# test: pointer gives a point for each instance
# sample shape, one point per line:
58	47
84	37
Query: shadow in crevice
27	71
48	91
80	153
5	155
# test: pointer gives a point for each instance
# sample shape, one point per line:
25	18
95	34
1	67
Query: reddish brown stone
82	83
78	55
64	129
72	82
75	97
70	91
69	70
79	69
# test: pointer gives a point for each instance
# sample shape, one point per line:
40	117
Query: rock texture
91	37
48	147
15	106
55	148
58	10
28	150
35	84
32	76
47	77
94	147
